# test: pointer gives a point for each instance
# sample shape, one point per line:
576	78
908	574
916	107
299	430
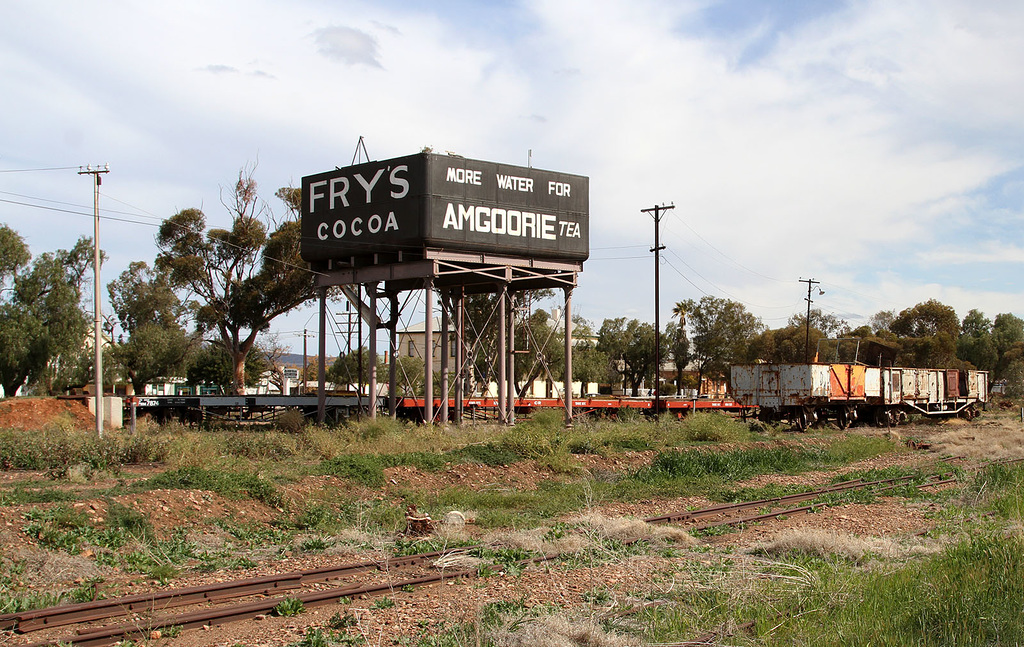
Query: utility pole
97	308
807	338
657	213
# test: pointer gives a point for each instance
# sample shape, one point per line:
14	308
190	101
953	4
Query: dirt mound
36	413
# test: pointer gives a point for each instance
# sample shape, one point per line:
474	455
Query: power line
137	222
32	170
82	206
726	256
685	278
620	247
76	213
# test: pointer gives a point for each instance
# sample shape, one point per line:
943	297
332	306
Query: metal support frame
568	356
453	275
445	306
502	356
510	382
321	386
393	350
428	350
459	306
373	351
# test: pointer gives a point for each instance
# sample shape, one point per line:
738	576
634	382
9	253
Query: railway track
148	611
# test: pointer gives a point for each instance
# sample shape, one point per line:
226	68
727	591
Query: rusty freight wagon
847	392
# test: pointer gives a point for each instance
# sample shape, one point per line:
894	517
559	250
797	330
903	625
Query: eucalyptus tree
629	346
238	279
151	341
721	331
43	328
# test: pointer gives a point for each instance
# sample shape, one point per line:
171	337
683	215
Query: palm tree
680	311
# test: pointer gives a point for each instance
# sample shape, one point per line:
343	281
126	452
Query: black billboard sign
444	201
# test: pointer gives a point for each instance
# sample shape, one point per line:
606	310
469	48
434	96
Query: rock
454	519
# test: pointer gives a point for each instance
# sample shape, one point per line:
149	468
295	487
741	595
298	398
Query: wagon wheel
845	417
799	418
883	417
805	417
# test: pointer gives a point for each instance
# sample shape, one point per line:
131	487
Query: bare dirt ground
625	582
35	413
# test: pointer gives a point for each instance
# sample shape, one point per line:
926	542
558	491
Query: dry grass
532	540
830	543
628	529
994	436
45	569
589	530
559	631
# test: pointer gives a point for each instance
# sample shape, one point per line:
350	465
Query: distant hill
294	360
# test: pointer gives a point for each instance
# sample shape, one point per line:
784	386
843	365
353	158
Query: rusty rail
26	621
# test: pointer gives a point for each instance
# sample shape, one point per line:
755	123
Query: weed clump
363	469
233	485
712	427
291	421
56	450
733	465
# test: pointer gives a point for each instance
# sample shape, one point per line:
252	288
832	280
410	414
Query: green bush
733	465
712	427
363	469
234	485
57	451
373	428
485	454
260	445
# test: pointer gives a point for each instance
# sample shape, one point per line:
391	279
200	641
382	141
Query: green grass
21	495
233	485
57	450
970	594
730	465
360	468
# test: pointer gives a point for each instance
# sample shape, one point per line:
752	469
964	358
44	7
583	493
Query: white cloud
867	147
347	45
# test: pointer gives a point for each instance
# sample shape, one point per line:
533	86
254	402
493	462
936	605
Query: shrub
230	484
291	421
366	470
289	607
712	427
259	445
373	428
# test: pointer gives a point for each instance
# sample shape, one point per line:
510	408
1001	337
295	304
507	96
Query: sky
873	146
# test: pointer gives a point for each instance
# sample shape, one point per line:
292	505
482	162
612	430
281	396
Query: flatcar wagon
609	406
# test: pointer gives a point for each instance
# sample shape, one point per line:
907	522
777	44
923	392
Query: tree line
709	335
203	310
199	311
